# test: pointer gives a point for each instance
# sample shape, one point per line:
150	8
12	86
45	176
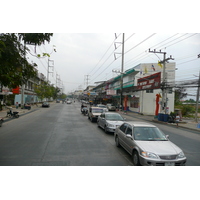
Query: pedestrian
17	105
177	119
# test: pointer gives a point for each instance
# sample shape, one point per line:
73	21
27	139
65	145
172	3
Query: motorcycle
171	119
1	121
84	110
10	113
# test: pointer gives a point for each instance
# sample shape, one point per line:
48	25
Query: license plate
169	164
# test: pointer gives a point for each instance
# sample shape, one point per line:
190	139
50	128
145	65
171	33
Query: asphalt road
62	136
58	136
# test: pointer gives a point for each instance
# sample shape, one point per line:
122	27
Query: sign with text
149	82
111	92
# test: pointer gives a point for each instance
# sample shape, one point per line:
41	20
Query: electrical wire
103	56
140	43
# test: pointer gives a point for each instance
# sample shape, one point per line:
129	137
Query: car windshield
101	106
96	110
148	134
114	117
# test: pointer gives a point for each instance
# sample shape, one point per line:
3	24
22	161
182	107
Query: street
62	136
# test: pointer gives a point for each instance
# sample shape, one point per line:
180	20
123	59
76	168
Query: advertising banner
15	90
149	82
111	92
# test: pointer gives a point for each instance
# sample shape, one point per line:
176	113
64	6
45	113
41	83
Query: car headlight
149	155
111	125
181	155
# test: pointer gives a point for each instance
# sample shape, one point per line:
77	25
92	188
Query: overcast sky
82	56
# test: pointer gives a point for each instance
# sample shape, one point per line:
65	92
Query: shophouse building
143	89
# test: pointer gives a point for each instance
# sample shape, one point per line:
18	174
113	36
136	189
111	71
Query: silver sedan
148	145
109	121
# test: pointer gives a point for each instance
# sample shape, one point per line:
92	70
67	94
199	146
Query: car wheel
136	160
105	129
117	141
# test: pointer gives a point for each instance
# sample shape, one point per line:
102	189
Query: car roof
109	113
96	107
140	124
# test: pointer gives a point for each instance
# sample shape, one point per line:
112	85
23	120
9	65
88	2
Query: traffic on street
60	135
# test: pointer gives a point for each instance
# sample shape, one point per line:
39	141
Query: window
102	115
123	127
129	131
134	103
148	134
149	91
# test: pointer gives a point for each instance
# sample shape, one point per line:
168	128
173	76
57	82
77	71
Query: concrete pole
122	71
197	100
164	82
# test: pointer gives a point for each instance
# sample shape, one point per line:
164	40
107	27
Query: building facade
143	89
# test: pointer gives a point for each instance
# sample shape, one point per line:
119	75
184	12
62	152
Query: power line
103	56
140	43
182	40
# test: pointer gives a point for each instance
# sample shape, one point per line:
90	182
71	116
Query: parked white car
148	145
111	107
103	106
109	121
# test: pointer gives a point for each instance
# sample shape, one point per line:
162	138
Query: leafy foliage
180	93
35	38
45	90
14	68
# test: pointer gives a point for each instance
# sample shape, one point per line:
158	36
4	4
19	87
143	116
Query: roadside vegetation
187	107
15	69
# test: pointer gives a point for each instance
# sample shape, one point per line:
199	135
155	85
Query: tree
35	38
45	90
180	93
14	68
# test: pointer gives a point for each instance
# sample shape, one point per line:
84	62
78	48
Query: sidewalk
188	124
3	113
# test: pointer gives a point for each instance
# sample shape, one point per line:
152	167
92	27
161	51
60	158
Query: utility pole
197	99
48	68
23	86
122	71
164	91
86	80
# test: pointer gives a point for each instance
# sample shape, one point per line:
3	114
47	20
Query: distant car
111	107
69	102
148	145
45	104
103	106
109	121
94	112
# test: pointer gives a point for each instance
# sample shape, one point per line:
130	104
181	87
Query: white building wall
147	101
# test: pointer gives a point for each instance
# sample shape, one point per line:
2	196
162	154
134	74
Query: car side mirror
167	136
129	136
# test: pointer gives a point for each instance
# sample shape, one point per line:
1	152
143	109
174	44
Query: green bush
186	110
